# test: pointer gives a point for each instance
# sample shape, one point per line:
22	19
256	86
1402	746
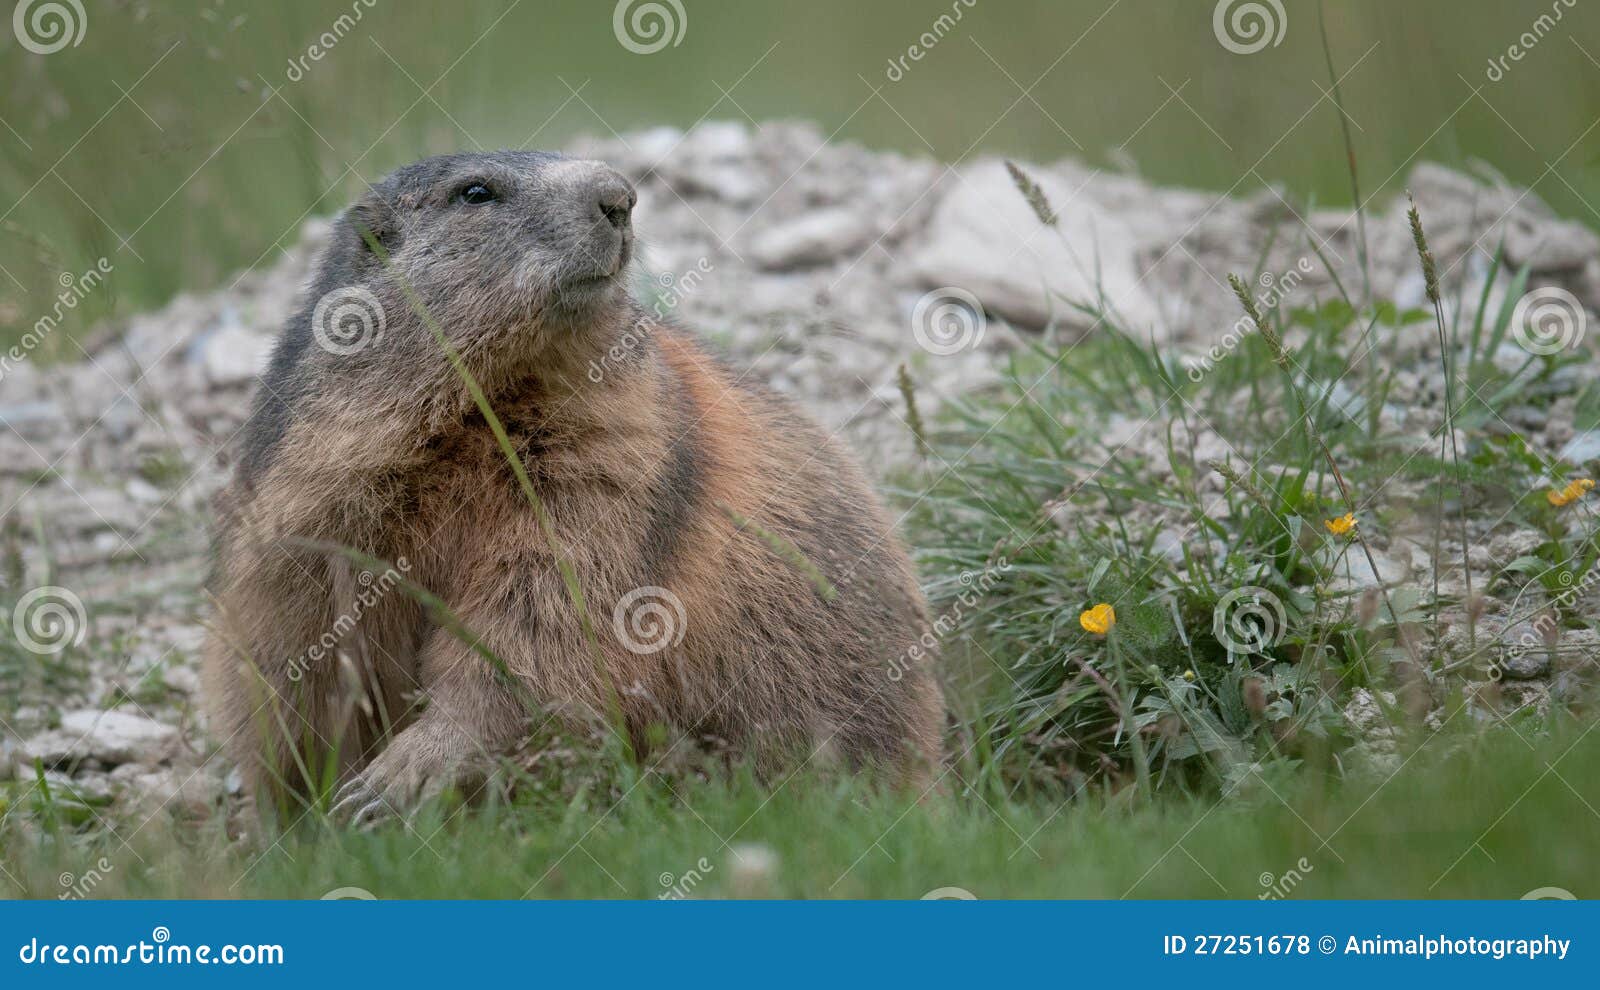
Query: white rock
175	789
111	737
233	354
181	678
33	419
812	238
1582	448
1355	572
985	239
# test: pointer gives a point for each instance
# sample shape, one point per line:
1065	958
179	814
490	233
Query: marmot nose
614	198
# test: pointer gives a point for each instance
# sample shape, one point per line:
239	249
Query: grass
1467	816
1241	629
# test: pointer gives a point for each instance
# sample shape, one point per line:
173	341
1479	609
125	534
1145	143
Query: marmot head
518	258
508	238
521	248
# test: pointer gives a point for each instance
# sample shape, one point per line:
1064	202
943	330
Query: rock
812	239
984	239
168	788
1170	543
95	509
1525	665
144	492
1521	654
182	679
89	788
1529	418
234	355
713	161
1456	206
111	738
1366	716
1507	547
1356	572
1582	448
33	420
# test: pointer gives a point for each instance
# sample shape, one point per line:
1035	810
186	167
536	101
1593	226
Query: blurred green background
179	141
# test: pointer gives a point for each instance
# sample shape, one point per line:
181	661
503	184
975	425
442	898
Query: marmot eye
476	194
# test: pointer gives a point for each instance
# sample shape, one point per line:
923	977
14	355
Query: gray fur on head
504	253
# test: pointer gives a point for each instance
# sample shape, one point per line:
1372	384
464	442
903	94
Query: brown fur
641	474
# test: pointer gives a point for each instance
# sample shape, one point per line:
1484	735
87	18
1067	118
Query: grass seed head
1266	330
1033	194
1430	272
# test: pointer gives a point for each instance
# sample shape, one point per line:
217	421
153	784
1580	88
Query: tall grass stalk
1430	274
1350	160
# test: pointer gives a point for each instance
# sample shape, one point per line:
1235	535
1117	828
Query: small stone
812	239
1582	448
33	420
751	869
168	788
1356	572
182	679
111	738
1364	713
89	788
234	355
1507	547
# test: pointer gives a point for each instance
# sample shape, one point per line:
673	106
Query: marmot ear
375	228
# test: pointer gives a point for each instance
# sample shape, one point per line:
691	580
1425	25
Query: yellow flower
1099	619
1575	490
1188	675
1342	525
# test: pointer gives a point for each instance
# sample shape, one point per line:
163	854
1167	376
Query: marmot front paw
419	764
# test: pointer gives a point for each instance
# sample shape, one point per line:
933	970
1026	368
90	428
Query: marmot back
397	596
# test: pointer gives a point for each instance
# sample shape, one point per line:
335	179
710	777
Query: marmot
739	576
